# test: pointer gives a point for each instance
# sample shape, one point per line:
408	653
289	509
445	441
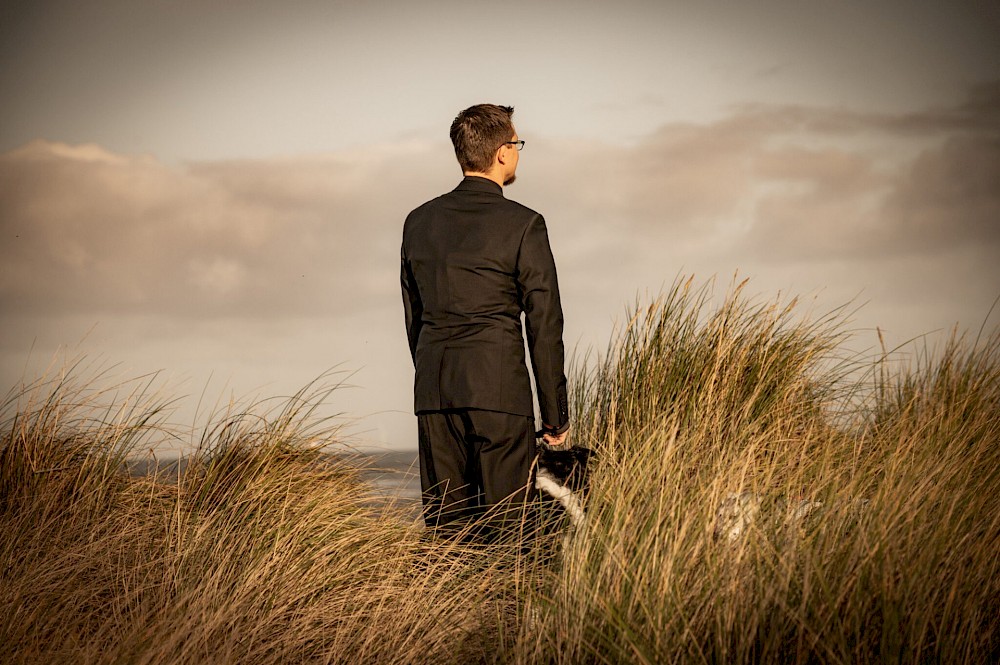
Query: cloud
832	203
949	196
901	210
793	195
89	231
794	183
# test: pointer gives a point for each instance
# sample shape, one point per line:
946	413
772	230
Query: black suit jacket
472	261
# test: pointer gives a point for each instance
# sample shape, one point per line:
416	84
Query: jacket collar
472	183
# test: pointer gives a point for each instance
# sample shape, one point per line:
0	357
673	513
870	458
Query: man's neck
492	175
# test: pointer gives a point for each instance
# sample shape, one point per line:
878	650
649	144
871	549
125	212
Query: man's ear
501	157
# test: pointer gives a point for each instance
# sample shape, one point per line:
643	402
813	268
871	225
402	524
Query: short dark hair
478	132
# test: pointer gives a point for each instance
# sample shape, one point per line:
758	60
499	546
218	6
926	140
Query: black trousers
474	470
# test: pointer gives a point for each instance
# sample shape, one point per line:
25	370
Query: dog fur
562	475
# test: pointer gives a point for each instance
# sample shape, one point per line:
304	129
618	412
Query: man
472	262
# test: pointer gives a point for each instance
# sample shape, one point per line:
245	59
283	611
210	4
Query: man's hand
557	440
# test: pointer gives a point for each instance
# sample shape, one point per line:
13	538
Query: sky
217	194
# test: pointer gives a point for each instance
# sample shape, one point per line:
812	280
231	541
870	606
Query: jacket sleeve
412	306
539	289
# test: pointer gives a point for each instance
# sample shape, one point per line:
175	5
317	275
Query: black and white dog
562	474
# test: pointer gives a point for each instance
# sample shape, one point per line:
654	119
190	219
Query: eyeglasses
519	144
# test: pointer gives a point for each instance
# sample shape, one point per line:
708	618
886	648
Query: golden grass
261	551
264	550
902	561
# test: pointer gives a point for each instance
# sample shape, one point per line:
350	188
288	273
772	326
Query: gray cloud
89	231
794	183
950	196
898	209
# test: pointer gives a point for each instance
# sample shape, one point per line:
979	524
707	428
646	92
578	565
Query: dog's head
567	465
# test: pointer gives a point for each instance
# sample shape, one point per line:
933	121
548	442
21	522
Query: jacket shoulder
507	208
429	206
522	211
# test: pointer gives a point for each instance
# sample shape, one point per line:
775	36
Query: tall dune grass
262	551
694	405
266	550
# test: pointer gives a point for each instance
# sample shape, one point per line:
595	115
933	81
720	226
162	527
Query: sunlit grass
266	549
692	405
262	550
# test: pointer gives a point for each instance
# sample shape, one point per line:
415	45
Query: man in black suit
472	263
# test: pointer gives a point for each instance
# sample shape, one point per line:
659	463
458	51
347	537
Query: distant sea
392	474
396	472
